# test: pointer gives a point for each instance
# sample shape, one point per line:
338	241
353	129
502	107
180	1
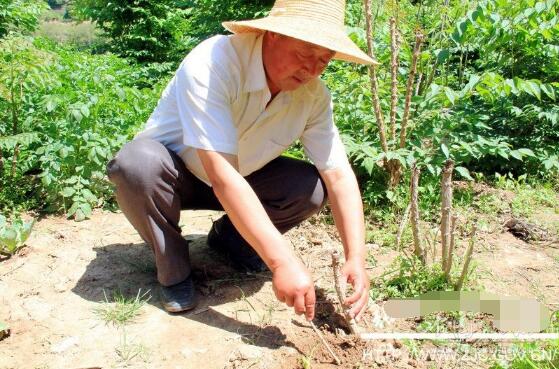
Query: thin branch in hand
340	286
409	88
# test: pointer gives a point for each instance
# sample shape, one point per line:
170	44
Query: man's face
290	63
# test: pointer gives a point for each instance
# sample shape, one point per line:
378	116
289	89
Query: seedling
14	235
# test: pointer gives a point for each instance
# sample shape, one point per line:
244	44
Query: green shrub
70	113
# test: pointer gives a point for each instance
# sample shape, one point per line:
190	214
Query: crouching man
214	142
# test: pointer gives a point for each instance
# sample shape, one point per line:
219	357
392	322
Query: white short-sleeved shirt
217	101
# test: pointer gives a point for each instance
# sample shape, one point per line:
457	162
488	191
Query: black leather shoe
179	297
225	239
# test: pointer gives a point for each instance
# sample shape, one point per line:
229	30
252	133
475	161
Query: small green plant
13	234
121	310
127	351
306	360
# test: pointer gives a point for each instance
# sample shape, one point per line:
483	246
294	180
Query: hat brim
308	31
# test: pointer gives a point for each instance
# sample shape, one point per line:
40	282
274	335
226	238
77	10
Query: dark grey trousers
153	186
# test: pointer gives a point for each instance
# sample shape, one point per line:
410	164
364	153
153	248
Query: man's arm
347	209
291	281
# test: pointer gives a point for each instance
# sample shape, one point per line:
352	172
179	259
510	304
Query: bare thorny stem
409	88
414	210
373	78
402	226
467	259
395	49
446	211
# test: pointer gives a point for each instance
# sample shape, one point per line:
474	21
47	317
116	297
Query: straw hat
320	22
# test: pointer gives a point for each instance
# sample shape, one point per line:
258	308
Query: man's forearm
347	210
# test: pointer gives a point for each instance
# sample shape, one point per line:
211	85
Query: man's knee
138	162
310	191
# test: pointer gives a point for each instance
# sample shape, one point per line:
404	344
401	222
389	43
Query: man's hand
292	284
354	272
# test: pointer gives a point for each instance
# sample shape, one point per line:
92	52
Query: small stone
64	345
373	246
397	344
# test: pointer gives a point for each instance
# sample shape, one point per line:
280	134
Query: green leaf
67	191
451	95
464	172
442	55
527	152
516	154
445	150
88	195
84	110
77	115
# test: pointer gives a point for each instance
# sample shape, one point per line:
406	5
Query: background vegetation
485	96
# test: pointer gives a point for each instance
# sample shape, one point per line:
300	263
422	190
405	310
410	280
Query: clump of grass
127	351
121	310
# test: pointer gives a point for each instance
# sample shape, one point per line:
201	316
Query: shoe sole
178	309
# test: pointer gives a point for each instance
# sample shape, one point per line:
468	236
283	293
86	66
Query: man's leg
290	190
152	185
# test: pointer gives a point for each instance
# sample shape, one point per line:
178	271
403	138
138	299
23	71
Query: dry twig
325	343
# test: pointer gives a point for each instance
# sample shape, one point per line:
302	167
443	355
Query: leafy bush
20	15
485	96
66	113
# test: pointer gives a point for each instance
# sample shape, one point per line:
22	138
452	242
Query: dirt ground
49	294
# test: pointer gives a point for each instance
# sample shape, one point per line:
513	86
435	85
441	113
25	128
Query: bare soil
50	291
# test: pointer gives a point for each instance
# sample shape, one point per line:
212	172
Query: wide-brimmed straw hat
320	22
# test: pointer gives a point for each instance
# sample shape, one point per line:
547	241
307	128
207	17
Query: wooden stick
467	259
415	227
340	286
325	343
446	210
